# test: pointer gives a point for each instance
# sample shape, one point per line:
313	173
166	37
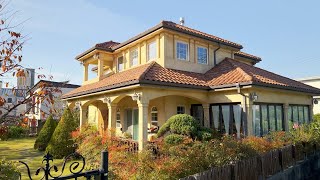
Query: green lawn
22	149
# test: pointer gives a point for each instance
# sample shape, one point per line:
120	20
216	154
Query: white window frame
148	51
118	63
154	112
198	54
184	107
132	53
118	121
187	53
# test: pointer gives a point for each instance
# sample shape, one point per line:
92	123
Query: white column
83	115
85	72
100	68
206	115
112	116
143	124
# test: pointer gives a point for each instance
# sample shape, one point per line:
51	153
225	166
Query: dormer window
120	63
182	51
202	55
134	57
152	51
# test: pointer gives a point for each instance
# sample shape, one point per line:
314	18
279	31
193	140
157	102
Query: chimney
182	21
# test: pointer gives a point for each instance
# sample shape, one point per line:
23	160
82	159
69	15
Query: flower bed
178	158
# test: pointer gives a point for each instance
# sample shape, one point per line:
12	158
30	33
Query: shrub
4	133
17	132
8	170
205	134
174	139
45	134
61	142
180	124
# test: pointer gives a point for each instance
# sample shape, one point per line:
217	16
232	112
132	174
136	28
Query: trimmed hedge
61	143
174	139
183	124
45	134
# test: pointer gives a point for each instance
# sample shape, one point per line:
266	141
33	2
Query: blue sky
286	34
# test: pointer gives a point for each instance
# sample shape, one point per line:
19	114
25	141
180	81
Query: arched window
154	116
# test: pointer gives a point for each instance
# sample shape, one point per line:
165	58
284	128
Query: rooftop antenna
182	21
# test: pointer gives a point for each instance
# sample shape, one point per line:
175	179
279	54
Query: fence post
104	165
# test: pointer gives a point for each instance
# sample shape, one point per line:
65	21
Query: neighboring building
16	95
58	106
173	69
315	82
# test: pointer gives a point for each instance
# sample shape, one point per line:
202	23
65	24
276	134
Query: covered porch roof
228	73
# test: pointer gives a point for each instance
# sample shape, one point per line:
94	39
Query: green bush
61	142
183	124
8	170
174	139
45	134
17	132
205	134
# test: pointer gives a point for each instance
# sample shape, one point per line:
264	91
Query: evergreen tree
61	143
45	134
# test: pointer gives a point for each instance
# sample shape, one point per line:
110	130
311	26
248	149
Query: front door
132	119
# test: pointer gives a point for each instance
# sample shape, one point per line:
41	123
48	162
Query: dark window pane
301	118
279	118
215	115
256	120
272	118
295	114
264	113
306	114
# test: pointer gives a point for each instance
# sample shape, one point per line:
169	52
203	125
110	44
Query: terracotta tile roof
246	55
111	46
120	79
226	74
158	73
175	26
230	71
107	45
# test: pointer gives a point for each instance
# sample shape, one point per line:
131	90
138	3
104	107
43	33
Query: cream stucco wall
315	82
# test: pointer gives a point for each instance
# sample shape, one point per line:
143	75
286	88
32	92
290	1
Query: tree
61	143
11	44
45	134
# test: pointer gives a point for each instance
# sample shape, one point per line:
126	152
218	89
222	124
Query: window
134	57
120	63
227	119
266	118
202	55
181	110
9	100
154	116
182	51
152	51
118	122
298	114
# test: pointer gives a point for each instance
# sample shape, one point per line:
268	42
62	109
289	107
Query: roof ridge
142	76
239	69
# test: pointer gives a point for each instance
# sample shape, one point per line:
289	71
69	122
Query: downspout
244	109
215	55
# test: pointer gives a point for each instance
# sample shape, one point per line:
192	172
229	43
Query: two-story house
173	69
